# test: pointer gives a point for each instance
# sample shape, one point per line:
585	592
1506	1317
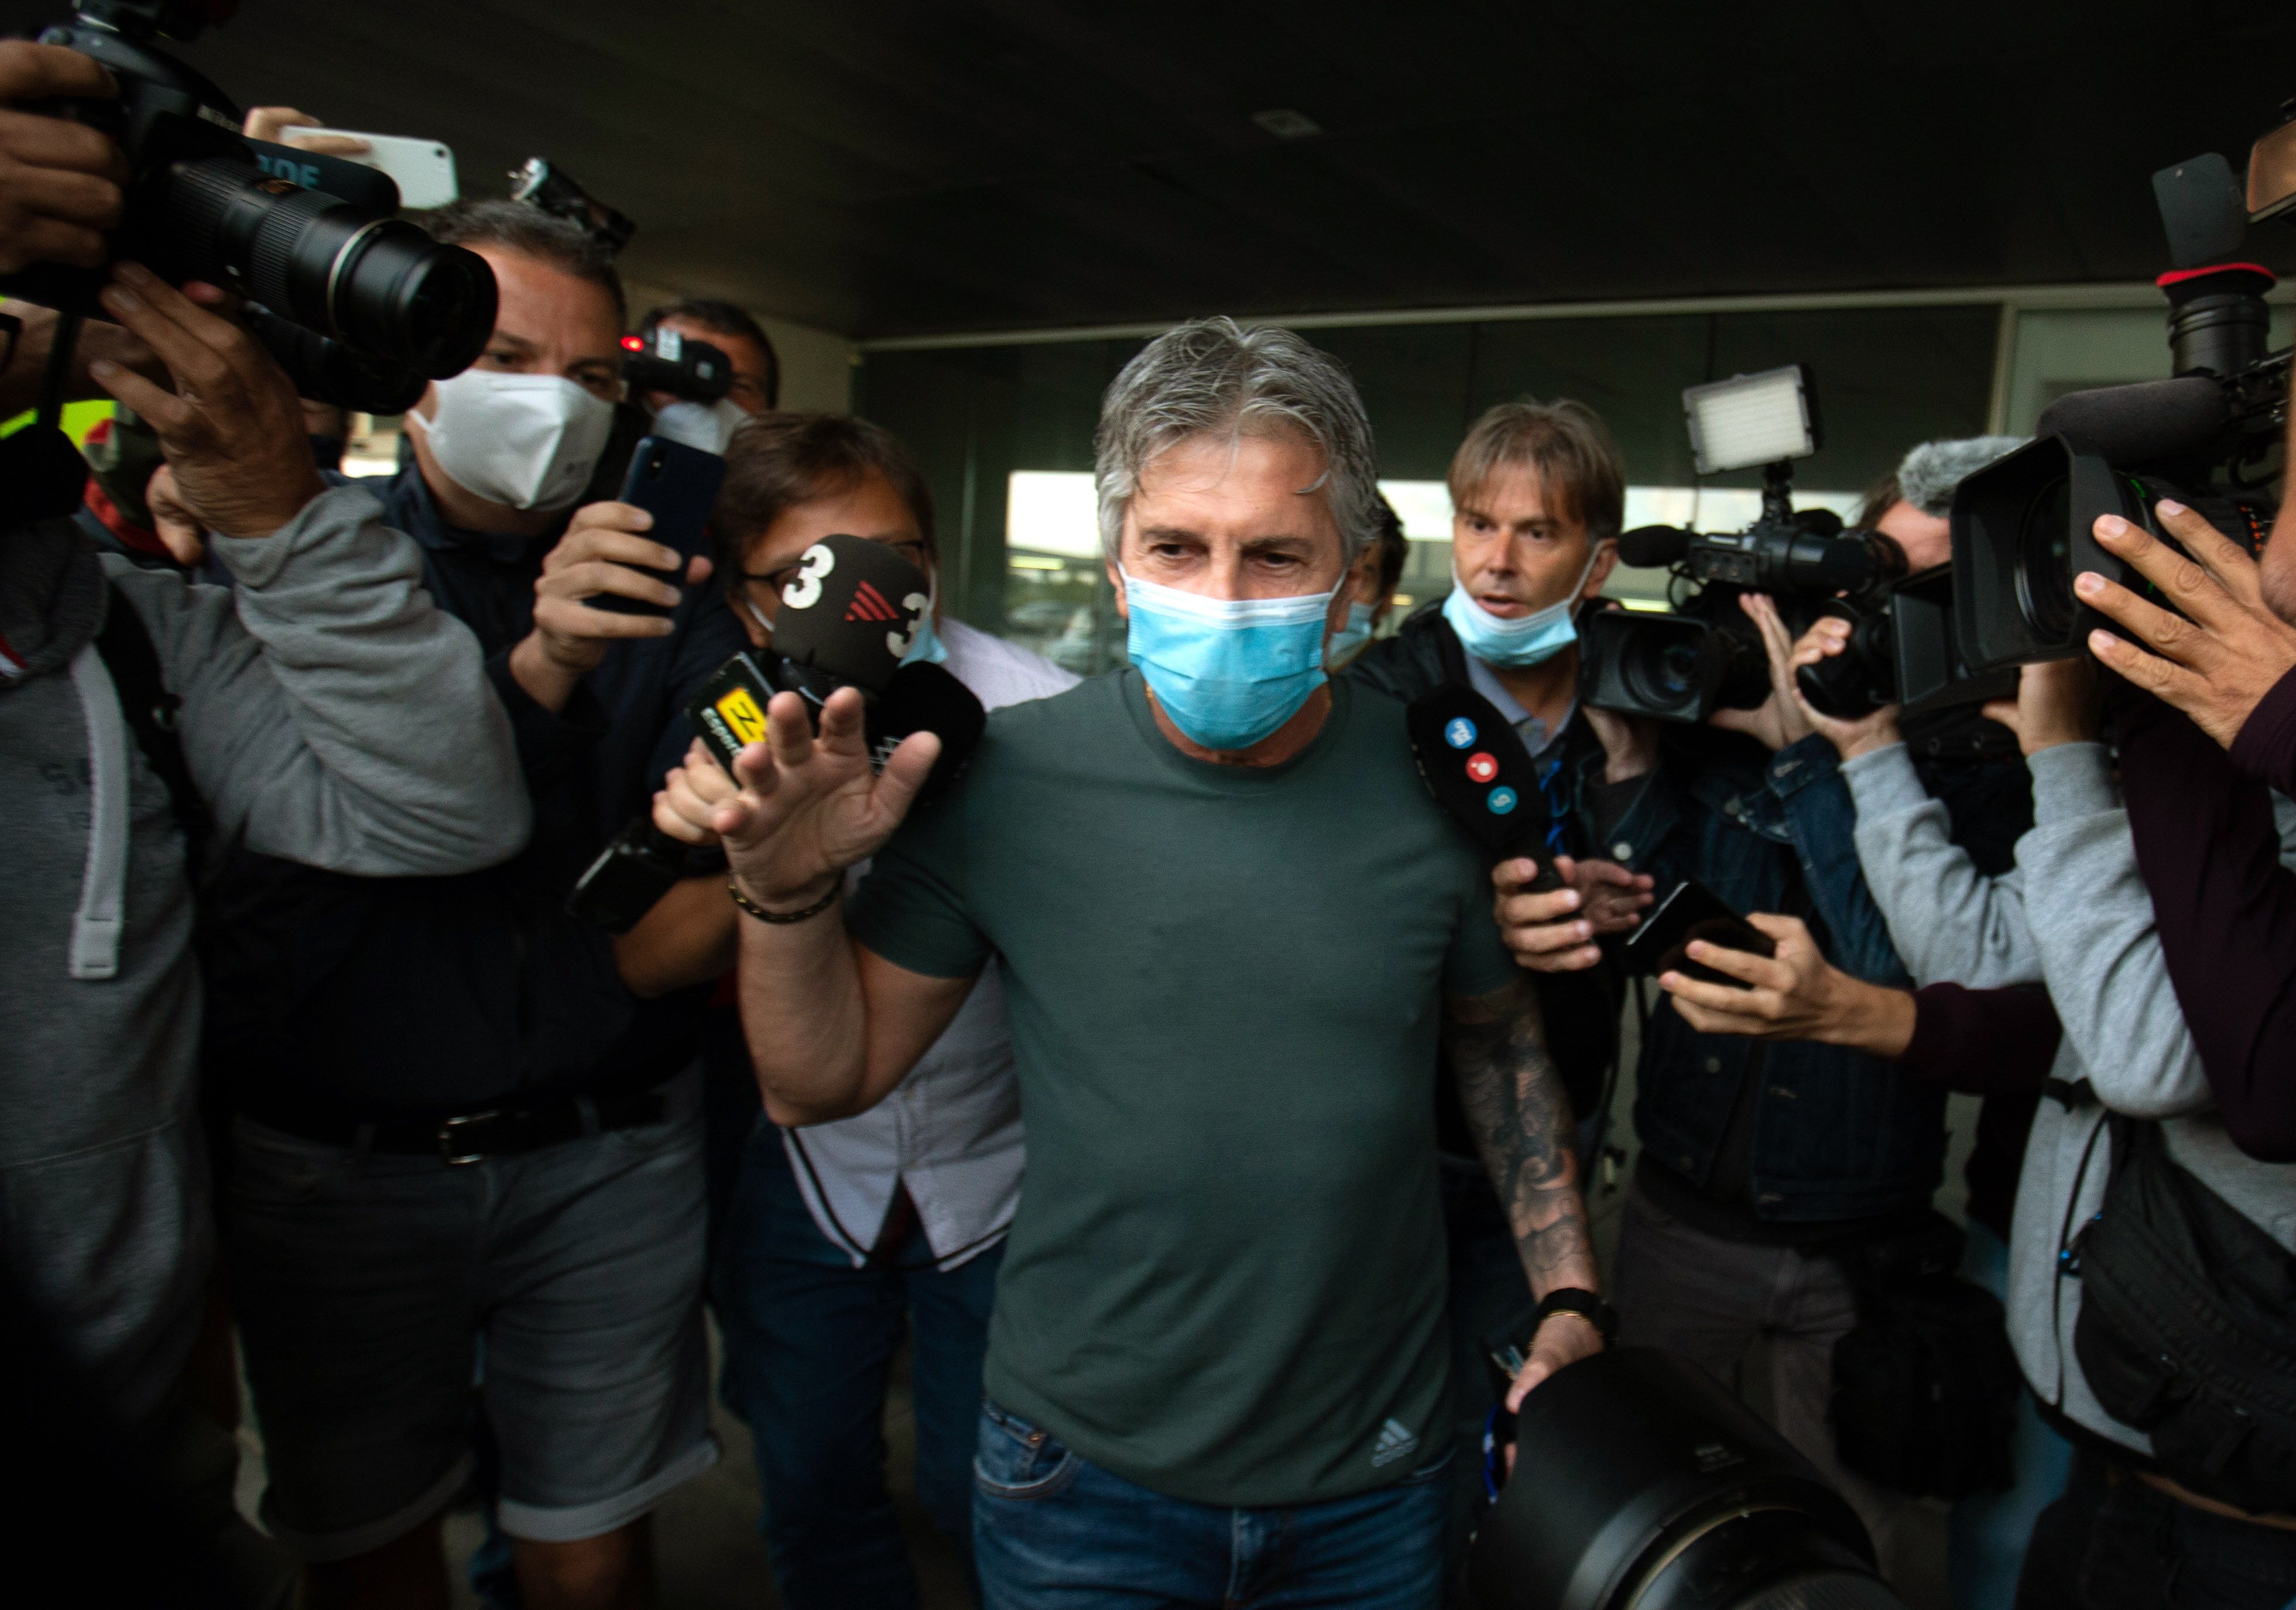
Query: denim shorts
383	1300
1052	1529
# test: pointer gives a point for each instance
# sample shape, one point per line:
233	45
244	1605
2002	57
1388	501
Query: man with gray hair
1231	926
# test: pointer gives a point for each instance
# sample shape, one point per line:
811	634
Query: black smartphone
1691	910
677	485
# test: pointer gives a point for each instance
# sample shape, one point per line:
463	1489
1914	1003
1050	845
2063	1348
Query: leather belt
497	1132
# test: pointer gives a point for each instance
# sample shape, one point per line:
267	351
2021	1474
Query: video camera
666	361
2209	437
360	307
1707	655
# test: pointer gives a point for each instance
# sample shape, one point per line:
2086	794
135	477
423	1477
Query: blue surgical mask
1533	639
1349	640
1228	671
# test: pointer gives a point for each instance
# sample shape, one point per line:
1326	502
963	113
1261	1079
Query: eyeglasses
916	553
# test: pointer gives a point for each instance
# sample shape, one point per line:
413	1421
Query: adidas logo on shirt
1395	1441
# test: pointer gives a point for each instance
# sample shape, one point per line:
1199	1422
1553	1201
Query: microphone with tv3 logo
846	618
1475	765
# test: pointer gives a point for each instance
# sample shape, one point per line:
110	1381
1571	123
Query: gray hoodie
330	715
2073	914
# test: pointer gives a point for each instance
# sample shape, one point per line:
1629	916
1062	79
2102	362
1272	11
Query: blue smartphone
677	485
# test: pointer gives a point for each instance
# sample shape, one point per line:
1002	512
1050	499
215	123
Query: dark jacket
425	997
1581	1008
1835	1134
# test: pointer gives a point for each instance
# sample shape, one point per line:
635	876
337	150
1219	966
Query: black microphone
2149	421
1654	547
1474	765
852	611
924	698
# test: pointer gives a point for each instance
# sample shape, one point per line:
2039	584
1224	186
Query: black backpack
1925	1384
2187	1327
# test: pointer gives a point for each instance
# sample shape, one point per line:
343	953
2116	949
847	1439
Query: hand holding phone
677	485
1691	910
423	169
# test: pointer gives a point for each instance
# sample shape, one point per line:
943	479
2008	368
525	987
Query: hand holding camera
59	183
2056	703
1828	637
233	426
2225	650
1782	718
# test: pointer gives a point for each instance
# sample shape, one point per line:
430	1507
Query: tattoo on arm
1515	1104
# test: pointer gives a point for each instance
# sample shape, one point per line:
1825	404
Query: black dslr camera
360	307
2210	437
1707	655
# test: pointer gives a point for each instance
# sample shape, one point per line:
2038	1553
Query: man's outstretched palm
809	807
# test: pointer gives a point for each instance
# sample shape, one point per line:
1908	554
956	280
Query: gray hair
1215	378
1931	472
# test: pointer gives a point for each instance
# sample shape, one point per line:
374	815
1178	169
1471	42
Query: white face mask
707	426
528	440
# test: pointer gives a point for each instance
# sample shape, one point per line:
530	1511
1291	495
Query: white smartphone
422	170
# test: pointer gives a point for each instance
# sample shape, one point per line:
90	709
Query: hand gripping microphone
846	618
1475	765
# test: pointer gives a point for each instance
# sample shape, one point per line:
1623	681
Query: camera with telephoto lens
2210	437
1706	655
359	305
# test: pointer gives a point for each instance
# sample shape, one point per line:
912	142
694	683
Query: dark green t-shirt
1225	1278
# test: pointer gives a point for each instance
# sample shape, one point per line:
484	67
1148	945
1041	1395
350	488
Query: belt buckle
450	1128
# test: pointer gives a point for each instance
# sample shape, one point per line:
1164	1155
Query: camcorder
1707	655
2210	437
666	361
360	307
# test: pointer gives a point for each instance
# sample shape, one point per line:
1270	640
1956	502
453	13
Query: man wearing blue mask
1538	490
1230	926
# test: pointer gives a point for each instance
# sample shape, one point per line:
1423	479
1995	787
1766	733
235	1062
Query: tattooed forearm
1515	1104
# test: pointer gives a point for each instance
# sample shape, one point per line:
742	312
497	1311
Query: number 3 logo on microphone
803	590
901	642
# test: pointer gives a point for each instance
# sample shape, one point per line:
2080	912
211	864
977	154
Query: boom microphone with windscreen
2144	423
1654	547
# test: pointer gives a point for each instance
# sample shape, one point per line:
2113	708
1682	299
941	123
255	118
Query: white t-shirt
952	1129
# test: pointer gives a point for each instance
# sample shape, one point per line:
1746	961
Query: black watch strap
1586	1304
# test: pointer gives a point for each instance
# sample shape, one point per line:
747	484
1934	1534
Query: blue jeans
808	1345
1052	1531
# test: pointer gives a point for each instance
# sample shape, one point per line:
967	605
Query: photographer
1229	922
757	386
843	1238
509	1176
1537	490
2076	915
1762	1165
147	723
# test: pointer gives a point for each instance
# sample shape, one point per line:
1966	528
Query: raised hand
808	808
59	181
2056	703
603	546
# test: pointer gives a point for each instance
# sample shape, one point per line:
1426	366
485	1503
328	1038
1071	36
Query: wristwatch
1586	1304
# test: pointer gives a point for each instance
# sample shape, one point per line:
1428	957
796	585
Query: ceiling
886	168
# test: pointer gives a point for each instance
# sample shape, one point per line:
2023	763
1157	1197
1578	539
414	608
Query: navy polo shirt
420	997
